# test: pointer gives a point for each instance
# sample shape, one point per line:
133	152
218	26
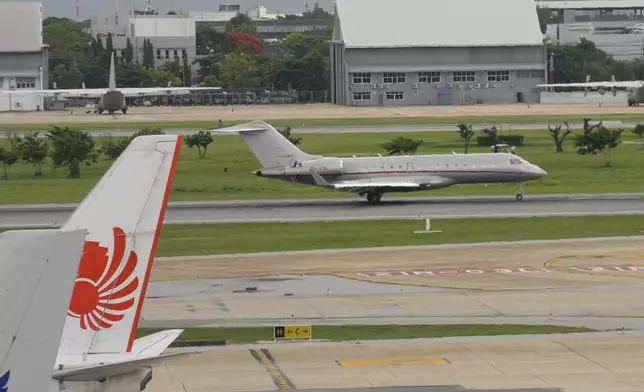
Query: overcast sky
89	8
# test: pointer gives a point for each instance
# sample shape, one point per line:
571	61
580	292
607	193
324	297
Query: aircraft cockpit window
515	161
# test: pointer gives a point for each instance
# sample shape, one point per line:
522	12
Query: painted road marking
265	358
474	271
392	362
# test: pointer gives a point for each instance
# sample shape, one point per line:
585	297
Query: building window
395	77
538	73
158	54
362	96
395	96
25	82
167	53
498	76
176	54
184	53
461	76
429	77
362	78
522	74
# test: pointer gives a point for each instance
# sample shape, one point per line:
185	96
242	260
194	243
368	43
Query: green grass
368	332
206	180
229	238
332	122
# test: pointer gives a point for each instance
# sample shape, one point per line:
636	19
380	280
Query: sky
88	8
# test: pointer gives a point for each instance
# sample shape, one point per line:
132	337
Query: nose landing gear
519	195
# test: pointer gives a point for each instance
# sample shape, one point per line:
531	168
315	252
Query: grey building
24	60
413	52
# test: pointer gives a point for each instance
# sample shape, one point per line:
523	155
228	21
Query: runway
355	129
354	209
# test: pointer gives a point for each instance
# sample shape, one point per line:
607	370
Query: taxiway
353	209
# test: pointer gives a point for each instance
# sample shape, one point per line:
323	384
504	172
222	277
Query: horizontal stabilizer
254	126
156	343
99	372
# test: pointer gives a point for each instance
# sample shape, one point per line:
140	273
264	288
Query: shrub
513	140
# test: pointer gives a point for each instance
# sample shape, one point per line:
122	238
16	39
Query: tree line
236	58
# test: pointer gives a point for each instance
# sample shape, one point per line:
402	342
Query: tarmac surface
354	209
595	283
306	111
572	363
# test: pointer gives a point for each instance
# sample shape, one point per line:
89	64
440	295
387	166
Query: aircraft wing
626	84
98	92
382	183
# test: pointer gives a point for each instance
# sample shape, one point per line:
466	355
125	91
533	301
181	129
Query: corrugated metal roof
591	4
20	26
434	23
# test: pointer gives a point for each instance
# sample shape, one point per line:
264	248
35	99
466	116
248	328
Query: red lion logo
102	294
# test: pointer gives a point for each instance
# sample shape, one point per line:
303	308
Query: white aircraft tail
123	215
37	272
268	145
112	82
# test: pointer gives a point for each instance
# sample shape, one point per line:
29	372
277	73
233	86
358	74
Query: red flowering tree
245	43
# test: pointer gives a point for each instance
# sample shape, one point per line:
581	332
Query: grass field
332	122
368	332
229	238
207	179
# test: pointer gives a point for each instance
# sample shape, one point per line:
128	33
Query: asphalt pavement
355	209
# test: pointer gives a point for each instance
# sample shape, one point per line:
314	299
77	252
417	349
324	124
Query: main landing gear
374	198
519	192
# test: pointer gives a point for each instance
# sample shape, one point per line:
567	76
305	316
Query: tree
71	148
245	43
13	139
639	131
286	132
148	54
238	70
187	72
114	148
466	133
7	159
559	137
109	45
598	138
200	140
33	150
129	51
402	146
241	23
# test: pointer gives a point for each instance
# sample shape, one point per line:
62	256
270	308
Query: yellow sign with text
292	332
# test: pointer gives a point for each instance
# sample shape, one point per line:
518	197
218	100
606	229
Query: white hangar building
24	59
431	52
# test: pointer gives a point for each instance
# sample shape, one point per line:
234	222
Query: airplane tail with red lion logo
123	216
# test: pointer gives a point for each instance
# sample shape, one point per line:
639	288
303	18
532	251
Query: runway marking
392	362
265	358
548	267
445	272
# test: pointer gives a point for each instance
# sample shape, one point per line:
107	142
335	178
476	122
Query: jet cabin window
515	161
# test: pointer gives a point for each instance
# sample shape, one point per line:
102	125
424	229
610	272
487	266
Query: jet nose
539	172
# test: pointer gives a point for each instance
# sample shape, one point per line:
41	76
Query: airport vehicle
123	216
374	176
112	99
36	286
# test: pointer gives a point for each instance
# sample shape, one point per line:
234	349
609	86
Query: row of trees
234	59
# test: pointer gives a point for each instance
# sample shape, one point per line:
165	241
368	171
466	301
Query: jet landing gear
373	198
519	192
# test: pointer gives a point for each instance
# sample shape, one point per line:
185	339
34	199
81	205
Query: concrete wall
21	72
579	98
525	67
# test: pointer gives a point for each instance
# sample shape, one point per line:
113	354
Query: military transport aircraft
374	176
112	99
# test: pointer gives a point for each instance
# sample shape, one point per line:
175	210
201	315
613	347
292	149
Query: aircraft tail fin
37	272
123	215
269	146
112	82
